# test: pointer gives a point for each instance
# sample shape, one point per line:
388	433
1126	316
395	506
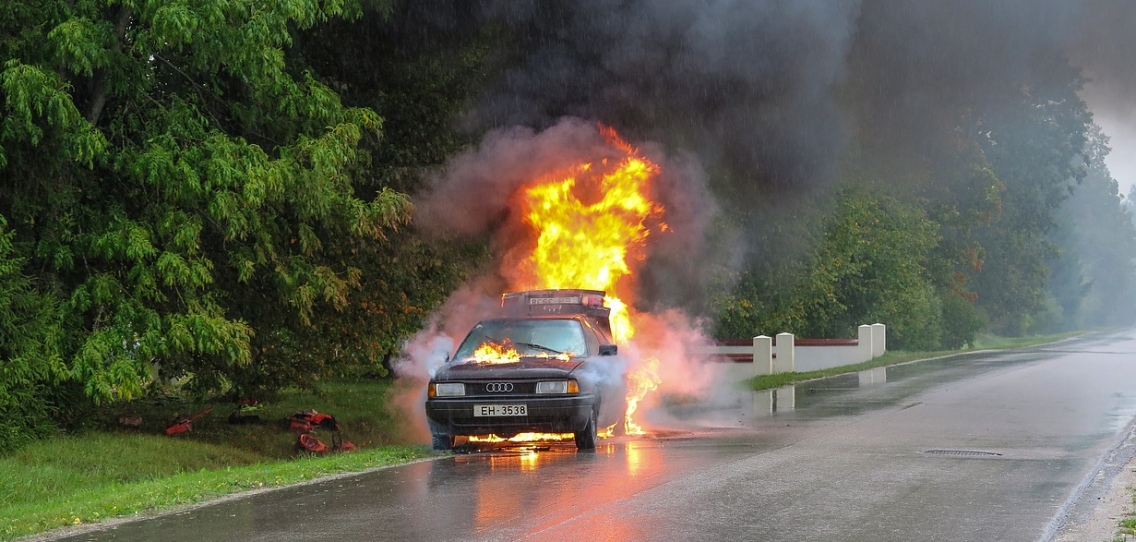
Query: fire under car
547	365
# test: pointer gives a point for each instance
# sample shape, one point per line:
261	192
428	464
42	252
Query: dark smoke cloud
472	194
744	84
739	89
759	94
1105	48
751	86
915	66
762	91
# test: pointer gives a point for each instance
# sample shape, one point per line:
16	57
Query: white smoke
686	372
429	349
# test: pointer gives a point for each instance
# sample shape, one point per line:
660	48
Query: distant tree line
997	214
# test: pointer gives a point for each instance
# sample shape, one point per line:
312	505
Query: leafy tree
30	347
753	303
1034	137
179	188
420	75
968	198
869	265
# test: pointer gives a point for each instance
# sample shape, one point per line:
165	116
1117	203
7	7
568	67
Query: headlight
446	389
560	386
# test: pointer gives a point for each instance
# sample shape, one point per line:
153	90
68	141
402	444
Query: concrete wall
815	358
788	354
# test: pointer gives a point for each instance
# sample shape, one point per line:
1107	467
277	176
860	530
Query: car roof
596	325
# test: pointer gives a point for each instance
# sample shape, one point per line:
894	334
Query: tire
442	442
586	438
440	438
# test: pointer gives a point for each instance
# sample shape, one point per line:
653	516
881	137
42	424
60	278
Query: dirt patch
1112	506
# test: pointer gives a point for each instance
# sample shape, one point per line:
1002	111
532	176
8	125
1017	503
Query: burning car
546	366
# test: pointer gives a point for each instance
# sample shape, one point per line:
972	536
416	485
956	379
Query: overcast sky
1104	47
1119	123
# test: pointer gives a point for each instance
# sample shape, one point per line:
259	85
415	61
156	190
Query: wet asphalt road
984	447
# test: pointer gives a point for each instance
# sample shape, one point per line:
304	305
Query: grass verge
106	471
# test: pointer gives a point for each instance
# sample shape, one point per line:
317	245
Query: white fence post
762	355
879	340
864	352
785	360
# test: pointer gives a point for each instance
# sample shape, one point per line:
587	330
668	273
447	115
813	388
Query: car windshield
532	337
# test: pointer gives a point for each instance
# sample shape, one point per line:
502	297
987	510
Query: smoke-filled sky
753	86
760	103
743	83
761	99
1106	50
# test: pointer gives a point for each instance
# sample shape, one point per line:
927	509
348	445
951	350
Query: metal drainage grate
962	453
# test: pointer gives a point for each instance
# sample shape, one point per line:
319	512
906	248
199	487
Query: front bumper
454	415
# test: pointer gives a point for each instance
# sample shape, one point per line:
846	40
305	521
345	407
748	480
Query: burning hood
527	367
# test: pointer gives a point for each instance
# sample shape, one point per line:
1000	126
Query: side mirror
608	350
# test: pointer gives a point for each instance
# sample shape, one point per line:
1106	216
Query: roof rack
555	302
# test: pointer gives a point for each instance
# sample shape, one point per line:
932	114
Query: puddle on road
843	395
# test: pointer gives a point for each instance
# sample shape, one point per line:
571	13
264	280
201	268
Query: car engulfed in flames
547	366
573	239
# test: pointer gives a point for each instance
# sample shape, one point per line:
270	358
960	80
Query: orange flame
524	437
496	353
592	224
641	381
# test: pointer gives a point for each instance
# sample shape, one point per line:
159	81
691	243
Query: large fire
592	223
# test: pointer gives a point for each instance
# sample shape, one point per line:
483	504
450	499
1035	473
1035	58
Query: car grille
500	388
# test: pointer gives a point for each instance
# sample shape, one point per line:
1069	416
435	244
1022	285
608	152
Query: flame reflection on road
634	458
567	481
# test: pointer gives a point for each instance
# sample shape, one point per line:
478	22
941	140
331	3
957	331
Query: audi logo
499	387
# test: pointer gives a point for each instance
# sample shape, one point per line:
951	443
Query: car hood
525	368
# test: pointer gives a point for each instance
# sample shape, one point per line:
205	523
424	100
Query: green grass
1126	529
106	471
361	407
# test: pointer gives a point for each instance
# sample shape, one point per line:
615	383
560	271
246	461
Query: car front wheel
442	442
586	438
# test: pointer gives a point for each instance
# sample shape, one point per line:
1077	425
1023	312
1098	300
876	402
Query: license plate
500	410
